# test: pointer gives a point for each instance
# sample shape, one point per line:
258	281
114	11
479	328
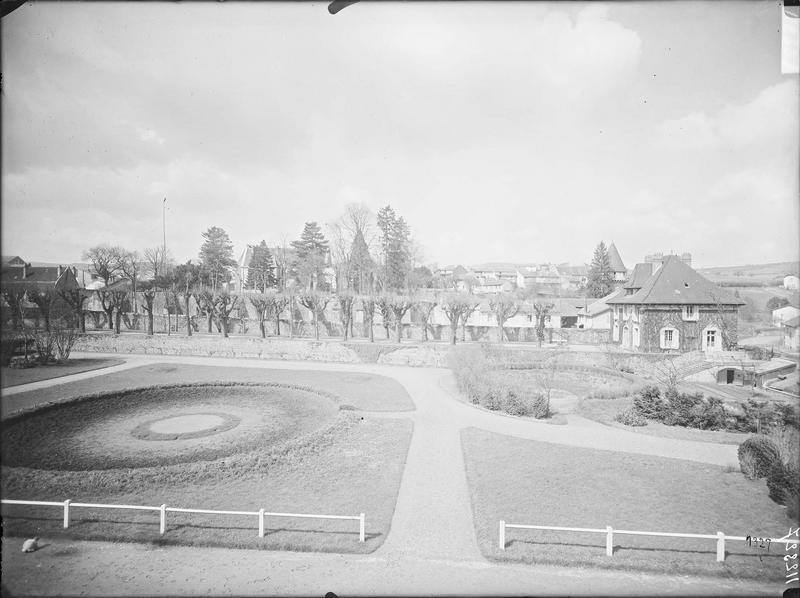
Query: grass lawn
362	391
15	376
577	382
604	410
529	482
351	467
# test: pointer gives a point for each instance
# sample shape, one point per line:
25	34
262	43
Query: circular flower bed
192	423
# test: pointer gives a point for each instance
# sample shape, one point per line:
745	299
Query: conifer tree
216	255
601	277
261	269
311	248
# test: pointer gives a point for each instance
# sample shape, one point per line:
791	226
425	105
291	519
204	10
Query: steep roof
793	323
676	283
641	273
615	260
601	305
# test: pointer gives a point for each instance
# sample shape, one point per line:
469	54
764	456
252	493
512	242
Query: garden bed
529	482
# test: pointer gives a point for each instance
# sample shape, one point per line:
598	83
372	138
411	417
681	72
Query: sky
518	131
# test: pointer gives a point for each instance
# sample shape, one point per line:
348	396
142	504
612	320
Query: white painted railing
609	532
164	509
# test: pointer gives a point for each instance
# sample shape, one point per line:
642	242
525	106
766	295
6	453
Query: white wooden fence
609	532
164	509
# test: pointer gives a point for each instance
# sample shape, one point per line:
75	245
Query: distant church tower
620	271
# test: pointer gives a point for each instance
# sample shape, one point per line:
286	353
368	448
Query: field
15	376
286	441
529	482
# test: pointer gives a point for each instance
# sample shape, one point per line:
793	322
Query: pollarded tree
276	304
504	306
368	304
346	300
383	303
423	310
105	264
261	304
76	298
315	302
222	303
44	299
469	309
148	292
601	276
399	304
188	276
541	312
454	306
216	255
261	269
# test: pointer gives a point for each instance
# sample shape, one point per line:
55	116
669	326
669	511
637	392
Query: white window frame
714	335
690	313
675	340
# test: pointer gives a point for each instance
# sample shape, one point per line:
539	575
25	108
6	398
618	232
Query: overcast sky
500	131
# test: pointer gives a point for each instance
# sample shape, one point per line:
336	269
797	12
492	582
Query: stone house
668	307
791	334
783	314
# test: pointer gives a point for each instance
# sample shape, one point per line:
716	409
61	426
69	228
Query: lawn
297	451
16	376
362	391
353	467
579	382
529	482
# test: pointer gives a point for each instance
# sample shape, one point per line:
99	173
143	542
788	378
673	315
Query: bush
783	484
648	403
758	456
630	417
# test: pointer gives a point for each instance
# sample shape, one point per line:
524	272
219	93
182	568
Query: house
791	282
597	315
668	306
791	333
783	314
16	272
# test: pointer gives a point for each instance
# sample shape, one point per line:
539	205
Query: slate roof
676	283
640	274
615	260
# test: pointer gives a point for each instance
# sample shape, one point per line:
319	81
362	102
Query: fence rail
609	532
164	509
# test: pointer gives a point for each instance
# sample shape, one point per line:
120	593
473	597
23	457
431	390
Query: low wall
269	348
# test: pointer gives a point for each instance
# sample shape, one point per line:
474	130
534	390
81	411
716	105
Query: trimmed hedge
758	456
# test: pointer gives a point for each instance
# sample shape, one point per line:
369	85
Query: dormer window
690	313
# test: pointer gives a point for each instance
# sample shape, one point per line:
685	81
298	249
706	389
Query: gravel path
431	547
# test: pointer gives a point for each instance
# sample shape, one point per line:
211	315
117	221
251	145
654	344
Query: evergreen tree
601	277
261	269
216	255
311	248
361	264
395	245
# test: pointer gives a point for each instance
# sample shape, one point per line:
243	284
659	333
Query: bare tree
424	310
76	298
346	300
148	291
400	304
156	260
368	304
504	306
222	303
44	299
469	308
261	304
105	262
130	265
316	302
454	306
541	312
276	304
383	303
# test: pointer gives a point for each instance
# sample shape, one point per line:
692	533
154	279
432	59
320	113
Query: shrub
649	404
682	407
45	345
763	456
64	339
783	484
630	417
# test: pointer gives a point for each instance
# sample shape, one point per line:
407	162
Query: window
711	339
690	313
670	338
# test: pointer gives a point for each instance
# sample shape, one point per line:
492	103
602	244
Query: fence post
163	519
361	528
501	542
720	547
609	541
66	513
261	523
